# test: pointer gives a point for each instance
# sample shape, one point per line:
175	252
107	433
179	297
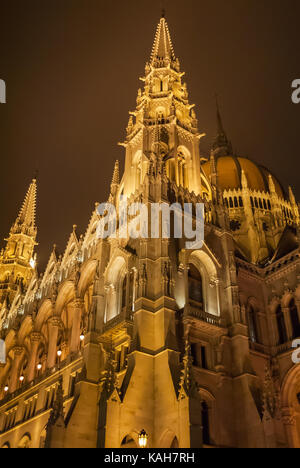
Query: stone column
289	422
18	355
185	273
272	324
35	338
54	324
75	335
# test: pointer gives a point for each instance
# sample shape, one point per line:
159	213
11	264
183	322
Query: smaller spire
115	181
219	119
25	221
221	145
116	174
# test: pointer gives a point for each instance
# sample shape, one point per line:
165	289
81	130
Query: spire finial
163	12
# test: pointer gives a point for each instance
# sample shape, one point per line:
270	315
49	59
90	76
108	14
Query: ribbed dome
229	170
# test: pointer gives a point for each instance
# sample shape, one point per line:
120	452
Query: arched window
175	444
115	289
294	319
170	168
282	334
252	324
128	442
195	285
178	168
205	423
6	446
25	442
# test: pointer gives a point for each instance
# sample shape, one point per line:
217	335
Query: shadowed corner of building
2	92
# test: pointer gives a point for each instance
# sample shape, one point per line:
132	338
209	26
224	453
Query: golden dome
229	170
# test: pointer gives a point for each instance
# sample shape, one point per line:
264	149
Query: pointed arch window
195	285
252	324
282	334
175	444
294	319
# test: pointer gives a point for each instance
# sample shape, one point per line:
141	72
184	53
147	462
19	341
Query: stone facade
123	335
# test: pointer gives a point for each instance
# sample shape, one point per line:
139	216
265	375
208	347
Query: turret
165	117
18	260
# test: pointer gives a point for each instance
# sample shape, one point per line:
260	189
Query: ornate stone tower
163	122
125	336
17	260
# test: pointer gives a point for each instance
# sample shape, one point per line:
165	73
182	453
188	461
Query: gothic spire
25	221
162	48
221	145
116	174
115	181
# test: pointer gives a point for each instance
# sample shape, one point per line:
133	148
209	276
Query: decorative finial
163	13
36	173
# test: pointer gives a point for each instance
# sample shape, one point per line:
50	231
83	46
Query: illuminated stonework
124	342
17	260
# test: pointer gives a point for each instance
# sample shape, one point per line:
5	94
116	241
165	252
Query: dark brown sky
72	68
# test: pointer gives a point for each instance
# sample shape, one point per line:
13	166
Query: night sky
72	68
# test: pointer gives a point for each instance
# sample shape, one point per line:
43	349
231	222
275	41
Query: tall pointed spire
163	123
25	221
221	145
162	49
18	260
